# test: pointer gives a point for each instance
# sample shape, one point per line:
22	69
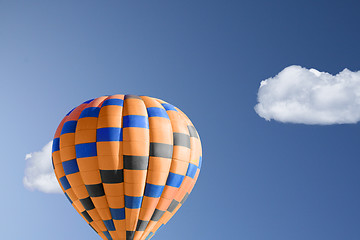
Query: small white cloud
39	173
308	96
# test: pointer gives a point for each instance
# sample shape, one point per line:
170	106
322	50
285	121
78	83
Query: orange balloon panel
126	163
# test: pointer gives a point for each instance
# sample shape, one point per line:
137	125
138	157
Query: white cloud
39	173
300	95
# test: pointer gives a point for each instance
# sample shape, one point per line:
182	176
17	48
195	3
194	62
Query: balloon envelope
126	163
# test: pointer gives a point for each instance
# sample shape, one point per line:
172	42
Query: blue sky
260	180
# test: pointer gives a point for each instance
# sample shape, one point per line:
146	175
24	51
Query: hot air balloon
126	163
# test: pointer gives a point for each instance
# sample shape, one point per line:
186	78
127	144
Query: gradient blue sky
260	180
